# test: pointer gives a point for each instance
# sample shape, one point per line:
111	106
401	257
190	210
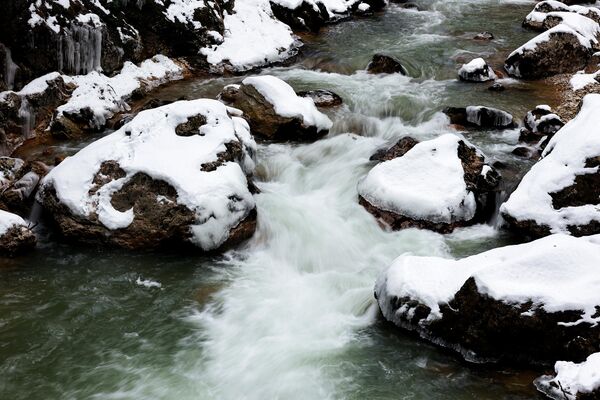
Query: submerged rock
384	64
439	184
479	116
561	192
476	70
274	111
531	303
322	98
175	175
15	235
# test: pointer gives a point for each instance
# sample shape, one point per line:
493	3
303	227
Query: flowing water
291	314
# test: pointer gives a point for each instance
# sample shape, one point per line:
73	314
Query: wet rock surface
479	116
385	64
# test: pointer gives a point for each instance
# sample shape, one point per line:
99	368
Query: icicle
10	70
27	115
80	49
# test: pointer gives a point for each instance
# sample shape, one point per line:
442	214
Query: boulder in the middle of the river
174	175
439	184
275	111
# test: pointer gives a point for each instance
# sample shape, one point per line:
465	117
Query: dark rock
484	36
384	64
481	117
229	94
322	98
522	151
397	150
497	87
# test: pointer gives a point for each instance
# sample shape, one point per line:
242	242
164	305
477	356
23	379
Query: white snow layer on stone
286	103
556	273
333	7
253	37
8	220
473	66
580	80
105	96
183	11
572	379
149	144
426	183
36	86
563	159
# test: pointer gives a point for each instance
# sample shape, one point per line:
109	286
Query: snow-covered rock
561	193
572	381
274	110
384	64
322	97
476	70
541	16
438	184
34	105
539	125
176	174
98	97
566	46
534	302
480	117
18	183
15	235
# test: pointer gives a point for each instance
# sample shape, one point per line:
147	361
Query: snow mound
572	379
287	103
556	273
565	158
150	144
426	183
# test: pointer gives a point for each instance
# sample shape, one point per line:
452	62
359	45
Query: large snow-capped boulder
572	381
480	117
476	70
274	111
15	235
81	36
565	47
177	174
535	302
438	184
561	192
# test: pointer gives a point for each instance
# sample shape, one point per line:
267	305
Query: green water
289	315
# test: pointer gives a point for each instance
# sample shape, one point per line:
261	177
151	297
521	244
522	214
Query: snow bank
556	273
9	220
286	103
105	96
253	37
149	144
572	379
426	183
564	158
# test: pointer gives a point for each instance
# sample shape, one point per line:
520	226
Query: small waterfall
27	114
80	49
10	70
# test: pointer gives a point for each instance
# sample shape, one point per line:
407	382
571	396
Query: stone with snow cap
561	192
480	117
438	184
530	303
572	381
476	70
15	235
177	174
275	111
